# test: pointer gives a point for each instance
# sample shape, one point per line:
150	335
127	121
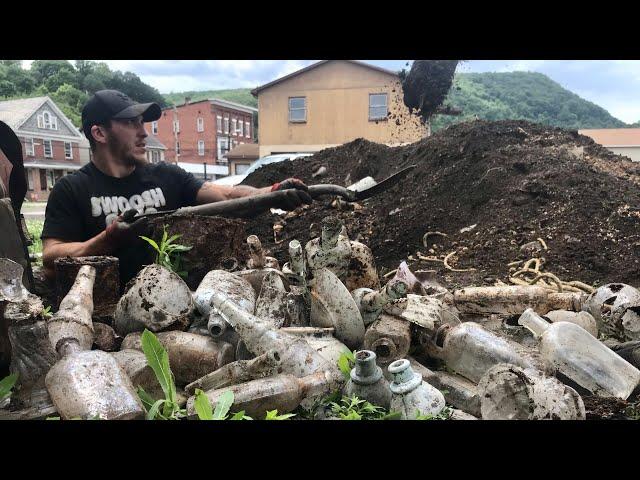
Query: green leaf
151	242
173	237
203	406
158	360
147	400
52	418
240	416
6	384
223	405
273	415
345	363
392	416
154	411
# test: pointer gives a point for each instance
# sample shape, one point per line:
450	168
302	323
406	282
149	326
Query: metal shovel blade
384	184
331	300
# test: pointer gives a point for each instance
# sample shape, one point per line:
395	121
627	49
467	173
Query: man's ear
99	134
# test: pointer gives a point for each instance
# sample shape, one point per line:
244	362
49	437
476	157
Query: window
240	129
43	180
298	109
241	168
48	151
28	144
68	151
46	120
50	179
223	148
177	148
219	123
155	156
246	130
30	174
377	106
226	125
234	127
201	148
154	128
176	126
200	124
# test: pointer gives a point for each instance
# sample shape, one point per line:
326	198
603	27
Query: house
241	157
623	141
155	149
51	144
333	102
198	135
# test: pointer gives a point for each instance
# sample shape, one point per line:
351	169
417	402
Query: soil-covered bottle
367	382
332	250
470	350
574	352
371	302
411	396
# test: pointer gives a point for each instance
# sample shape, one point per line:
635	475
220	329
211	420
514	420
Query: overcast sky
612	84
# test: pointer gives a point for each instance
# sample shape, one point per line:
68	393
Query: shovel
245	206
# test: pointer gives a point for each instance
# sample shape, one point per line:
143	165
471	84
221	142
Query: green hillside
522	95
238	95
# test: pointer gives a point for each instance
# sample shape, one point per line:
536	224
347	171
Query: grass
35	230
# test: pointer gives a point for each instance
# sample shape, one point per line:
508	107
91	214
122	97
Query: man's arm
210	192
53	248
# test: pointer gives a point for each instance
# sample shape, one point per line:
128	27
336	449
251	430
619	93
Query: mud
426	85
604	408
217	243
514	180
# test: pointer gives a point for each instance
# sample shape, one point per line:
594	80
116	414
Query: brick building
198	135
51	145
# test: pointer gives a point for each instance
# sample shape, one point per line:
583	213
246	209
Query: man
84	211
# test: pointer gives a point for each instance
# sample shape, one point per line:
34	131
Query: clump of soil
217	243
609	408
491	187
427	84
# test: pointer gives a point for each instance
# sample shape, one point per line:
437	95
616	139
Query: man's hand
297	193
120	232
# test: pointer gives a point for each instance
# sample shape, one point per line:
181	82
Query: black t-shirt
82	204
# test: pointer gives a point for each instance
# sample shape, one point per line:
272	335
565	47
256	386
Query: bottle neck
533	322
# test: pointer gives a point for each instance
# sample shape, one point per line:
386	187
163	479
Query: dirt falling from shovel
427	84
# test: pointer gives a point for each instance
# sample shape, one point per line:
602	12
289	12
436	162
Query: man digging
84	214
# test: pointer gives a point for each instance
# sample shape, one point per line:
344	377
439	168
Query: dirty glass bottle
574	352
371	302
411	396
367	382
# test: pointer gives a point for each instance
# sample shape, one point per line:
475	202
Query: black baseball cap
112	104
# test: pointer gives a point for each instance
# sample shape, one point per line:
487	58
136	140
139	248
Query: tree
7	89
41	70
61	78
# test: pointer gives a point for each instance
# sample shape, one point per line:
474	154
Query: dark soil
515	180
217	243
427	84
601	408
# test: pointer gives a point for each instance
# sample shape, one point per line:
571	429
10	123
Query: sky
612	84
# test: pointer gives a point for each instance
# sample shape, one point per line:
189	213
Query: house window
176	126
234	128
40	121
155	156
46	120
201	148
226	125
68	152
377	106
219	123
298	109
48	151
50	179
200	124
28	144
30	174
223	148
240	129
154	128
177	148
246	130
54	123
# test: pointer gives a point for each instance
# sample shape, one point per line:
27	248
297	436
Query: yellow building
333	102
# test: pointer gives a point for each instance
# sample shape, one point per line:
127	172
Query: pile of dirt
491	187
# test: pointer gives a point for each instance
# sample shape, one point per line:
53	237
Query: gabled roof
15	112
153	142
256	90
614	137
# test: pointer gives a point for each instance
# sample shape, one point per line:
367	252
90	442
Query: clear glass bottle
574	352
470	350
